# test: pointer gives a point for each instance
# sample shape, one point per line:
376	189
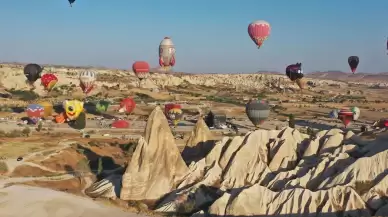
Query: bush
26	131
291	121
3	167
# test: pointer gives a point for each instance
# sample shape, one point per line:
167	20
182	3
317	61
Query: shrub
291	121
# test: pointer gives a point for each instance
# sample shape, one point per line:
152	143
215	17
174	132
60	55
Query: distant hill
346	76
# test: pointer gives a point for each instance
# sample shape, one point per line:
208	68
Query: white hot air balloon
87	79
166	53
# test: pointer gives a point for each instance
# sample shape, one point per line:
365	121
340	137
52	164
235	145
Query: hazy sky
210	35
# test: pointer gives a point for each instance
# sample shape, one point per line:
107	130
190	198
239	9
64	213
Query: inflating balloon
259	31
127	105
73	109
87	79
346	116
32	72
353	63
49	81
356	113
35	112
295	73
175	115
48	108
141	69
102	106
257	111
120	124
166	53
334	114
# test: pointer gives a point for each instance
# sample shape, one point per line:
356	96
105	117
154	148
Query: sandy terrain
60	163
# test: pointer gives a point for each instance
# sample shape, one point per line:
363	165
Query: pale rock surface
27	201
108	187
156	167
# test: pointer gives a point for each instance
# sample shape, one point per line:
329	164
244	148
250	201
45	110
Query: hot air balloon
257	111
169	106
166	53
49	81
175	115
334	113
32	72
356	113
71	2
35	112
141	69
48	108
102	106
120	124
127	105
295	73
87	79
259	31
346	116
353	63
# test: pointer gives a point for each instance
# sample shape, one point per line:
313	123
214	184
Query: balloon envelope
87	79
175	115
127	105
49	81
35	112
120	124
32	72
166	53
353	63
259	31
102	106
141	69
295	73
257	111
356	112
346	116
48	108
334	114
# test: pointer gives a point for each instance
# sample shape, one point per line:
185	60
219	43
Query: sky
210	35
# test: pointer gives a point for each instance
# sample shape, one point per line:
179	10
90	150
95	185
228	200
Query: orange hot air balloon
49	81
259	31
141	69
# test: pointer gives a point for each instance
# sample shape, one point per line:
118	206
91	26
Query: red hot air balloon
346	116
259	31
127	105
141	69
49	81
120	124
169	106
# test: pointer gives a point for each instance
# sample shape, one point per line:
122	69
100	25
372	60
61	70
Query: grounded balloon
71	2
259	31
127	105
334	114
257	111
175	115
346	116
166	53
141	69
295	73
32	72
353	63
87	80
35	112
102	106
120	124
79	123
73	109
48	108
49	81
356	113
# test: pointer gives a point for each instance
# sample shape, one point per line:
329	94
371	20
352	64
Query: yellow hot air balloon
48	108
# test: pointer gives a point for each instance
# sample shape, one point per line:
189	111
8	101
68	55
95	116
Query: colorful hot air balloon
295	73
49	81
32	72
353	63
71	2
35	112
87	79
257	111
259	31
175	115
356	113
169	106
48	108
346	116
120	124
141	69
127	105
166	53
102	106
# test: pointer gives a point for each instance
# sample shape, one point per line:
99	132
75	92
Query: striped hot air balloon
87	79
346	116
257	111
35	112
141	69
